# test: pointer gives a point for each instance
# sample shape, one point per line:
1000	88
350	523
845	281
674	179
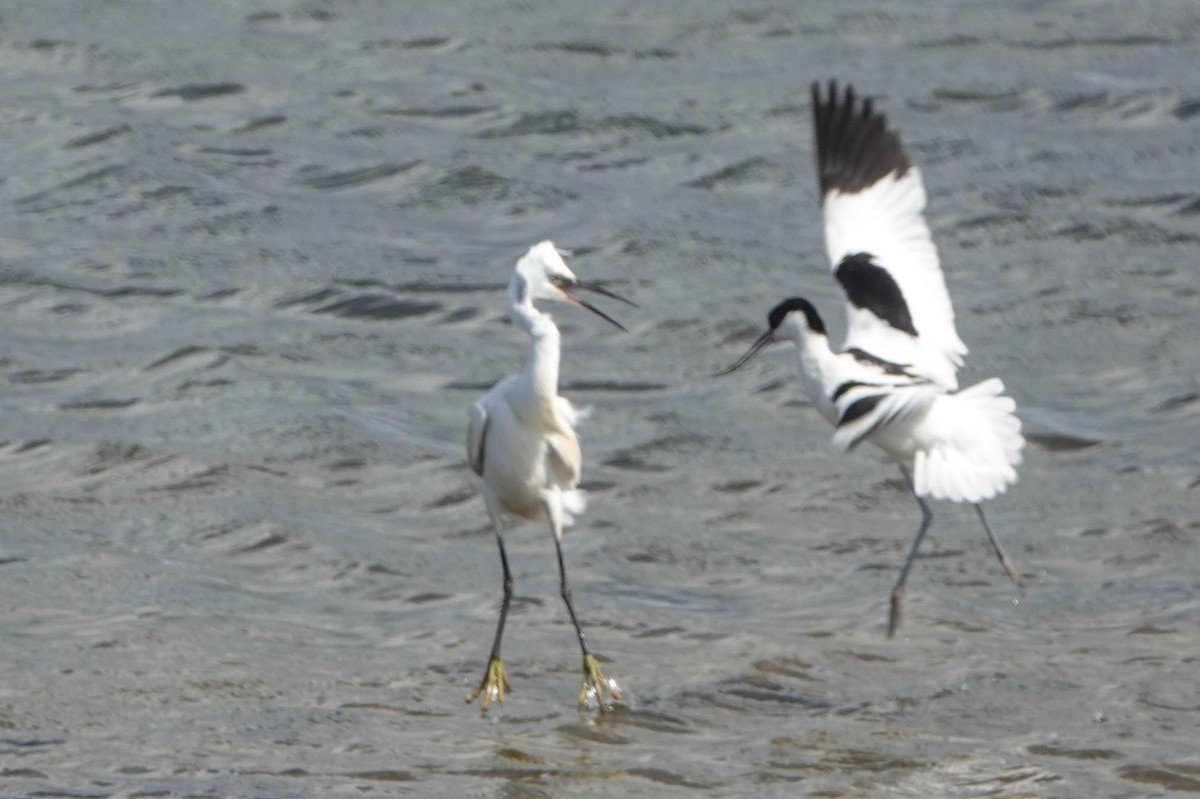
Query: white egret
893	383
521	440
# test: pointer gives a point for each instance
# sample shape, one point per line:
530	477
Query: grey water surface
252	261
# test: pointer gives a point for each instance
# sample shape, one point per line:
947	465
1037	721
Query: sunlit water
251	275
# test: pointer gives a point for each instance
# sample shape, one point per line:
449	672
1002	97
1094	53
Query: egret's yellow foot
494	685
597	688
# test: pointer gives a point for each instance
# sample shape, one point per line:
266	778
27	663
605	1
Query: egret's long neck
544	355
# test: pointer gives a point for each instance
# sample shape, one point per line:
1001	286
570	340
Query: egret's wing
477	427
879	246
564	459
863	409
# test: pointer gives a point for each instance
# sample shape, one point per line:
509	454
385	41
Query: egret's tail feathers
574	503
571	414
978	447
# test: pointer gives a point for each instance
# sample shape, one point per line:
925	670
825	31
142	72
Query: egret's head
542	274
545	273
794	317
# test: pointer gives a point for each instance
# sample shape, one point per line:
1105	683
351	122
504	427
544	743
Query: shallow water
252	273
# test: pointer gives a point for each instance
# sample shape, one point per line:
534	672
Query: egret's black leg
595	684
566	596
508	593
495	681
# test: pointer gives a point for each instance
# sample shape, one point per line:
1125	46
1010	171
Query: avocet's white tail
978	444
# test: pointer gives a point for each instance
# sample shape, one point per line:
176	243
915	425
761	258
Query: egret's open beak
601	290
566	290
760	342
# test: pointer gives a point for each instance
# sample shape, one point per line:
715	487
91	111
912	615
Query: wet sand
251	272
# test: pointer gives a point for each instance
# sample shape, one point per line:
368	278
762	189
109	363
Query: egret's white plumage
893	383
521	440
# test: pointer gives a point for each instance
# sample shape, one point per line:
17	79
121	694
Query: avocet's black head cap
811	317
774	320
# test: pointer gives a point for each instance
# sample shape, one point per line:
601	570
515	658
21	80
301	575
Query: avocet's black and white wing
865	409
879	246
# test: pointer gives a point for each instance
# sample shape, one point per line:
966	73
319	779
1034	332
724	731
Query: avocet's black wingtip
854	147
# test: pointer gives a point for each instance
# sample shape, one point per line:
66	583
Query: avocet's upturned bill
893	383
521	440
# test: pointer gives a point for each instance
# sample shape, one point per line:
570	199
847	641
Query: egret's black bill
601	290
588	306
762	341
